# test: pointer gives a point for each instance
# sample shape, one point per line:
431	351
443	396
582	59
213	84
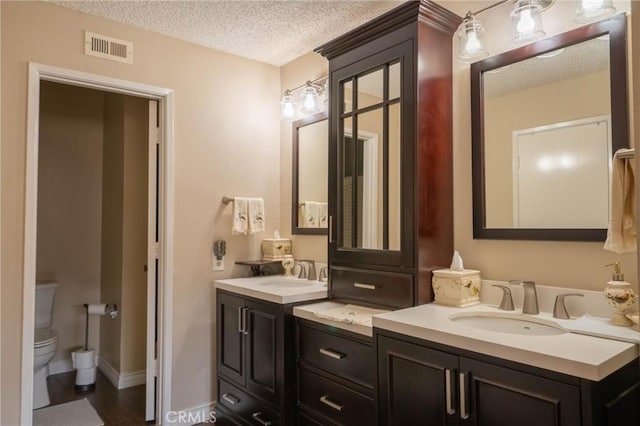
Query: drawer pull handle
259	419
365	286
332	354
230	399
447	382
335	405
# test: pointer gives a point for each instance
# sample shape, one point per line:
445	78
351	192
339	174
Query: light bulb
473	43
526	22
288	106
310	100
591	10
591	4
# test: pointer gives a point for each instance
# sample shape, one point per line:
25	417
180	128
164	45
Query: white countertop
275	288
578	355
308	312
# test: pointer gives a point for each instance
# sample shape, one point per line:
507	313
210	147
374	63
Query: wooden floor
116	408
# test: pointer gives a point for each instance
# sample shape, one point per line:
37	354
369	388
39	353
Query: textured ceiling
580	59
275	32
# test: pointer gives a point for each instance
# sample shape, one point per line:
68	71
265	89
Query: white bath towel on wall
240	216
323	215
256	215
310	214
621	235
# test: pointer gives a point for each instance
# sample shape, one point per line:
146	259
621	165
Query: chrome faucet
311	275
303	270
530	303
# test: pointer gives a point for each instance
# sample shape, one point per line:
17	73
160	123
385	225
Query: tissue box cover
456	288
275	248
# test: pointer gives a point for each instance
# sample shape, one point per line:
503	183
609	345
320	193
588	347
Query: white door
152	262
561	175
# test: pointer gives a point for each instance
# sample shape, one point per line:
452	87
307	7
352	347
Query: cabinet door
416	385
497	395
263	328
371	164
230	338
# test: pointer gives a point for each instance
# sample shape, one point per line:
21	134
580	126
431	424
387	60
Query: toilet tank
44	304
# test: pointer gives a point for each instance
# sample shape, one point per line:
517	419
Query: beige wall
527	109
293	74
69	207
564	264
211	140
112	225
134	231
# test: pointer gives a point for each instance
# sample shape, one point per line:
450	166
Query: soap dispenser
620	295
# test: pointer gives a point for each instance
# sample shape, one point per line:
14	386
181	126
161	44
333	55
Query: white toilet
45	343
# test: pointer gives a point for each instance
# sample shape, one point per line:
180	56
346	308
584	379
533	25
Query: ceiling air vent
108	47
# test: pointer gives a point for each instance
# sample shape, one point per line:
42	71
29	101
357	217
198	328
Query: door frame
164	96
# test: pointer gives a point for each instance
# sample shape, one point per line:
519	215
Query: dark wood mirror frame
295	229
616	28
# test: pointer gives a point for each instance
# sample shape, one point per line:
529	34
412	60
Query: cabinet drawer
253	411
336	402
390	289
344	357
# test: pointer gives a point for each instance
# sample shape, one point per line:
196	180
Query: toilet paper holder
110	309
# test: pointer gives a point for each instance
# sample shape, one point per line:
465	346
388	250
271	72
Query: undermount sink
508	323
287	283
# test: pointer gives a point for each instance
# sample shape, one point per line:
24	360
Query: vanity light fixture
526	23
593	10
309	102
471	45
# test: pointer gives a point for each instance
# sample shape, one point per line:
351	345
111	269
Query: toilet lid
44	337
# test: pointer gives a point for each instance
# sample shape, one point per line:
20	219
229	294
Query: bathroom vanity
255	346
433	370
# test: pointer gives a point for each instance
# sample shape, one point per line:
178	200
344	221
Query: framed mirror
310	167
546	120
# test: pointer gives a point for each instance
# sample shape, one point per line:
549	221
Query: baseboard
61	366
121	380
204	413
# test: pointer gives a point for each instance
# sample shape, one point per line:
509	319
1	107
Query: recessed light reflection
549	163
551	54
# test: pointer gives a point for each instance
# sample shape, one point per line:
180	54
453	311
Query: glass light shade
310	100
325	94
471	45
526	21
288	106
592	10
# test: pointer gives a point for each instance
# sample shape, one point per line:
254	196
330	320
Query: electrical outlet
218	264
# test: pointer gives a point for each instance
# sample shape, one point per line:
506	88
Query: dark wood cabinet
427	383
256	365
336	375
390	149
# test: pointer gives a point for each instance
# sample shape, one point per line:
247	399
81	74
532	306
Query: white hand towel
310	214
621	235
240	216
323	215
256	215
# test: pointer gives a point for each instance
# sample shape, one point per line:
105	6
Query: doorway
157	239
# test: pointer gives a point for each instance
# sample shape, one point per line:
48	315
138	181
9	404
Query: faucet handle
322	275
507	301
559	308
